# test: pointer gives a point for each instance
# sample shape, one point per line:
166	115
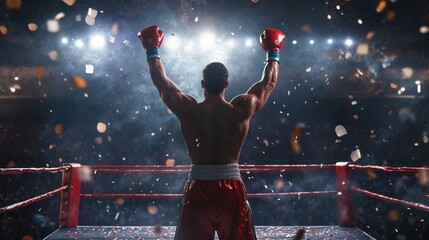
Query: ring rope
179	195
389	169
390	199
31	200
6	171
186	168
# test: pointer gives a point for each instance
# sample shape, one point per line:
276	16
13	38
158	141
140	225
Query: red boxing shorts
214	200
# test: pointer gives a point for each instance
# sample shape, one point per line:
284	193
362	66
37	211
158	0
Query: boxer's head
215	78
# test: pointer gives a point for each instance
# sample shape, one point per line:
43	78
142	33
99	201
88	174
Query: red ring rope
31	200
389	169
177	195
390	199
5	171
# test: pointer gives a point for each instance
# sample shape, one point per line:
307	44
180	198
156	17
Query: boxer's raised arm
256	97
151	39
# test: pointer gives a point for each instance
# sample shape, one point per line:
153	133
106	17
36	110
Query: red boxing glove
272	39
151	37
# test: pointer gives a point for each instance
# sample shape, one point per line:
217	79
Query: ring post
345	209
70	197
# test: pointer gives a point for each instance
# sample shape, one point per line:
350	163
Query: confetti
69	2
13	4
59	16
157	229
89	20
362	49
170	162
92	12
53	25
340	130
3	29
371	174
422	177
254	1
407	72
59	129
53	55
394	215
424	29
152	209
79	82
115	28
98	140
89	68
10	164
390	16
32	27
101	127
279	184
294	135
85	174
27	237
381	6
355	155
120	201
39	74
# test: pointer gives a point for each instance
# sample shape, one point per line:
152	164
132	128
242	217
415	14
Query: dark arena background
352	87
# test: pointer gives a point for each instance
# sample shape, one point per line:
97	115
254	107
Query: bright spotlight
64	40
348	42
330	41
78	43
248	43
207	39
97	42
172	42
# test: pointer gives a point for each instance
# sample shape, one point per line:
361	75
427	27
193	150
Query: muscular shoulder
244	104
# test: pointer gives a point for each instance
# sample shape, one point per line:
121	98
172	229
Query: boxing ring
71	196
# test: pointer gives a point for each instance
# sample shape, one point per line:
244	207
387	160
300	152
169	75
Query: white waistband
214	172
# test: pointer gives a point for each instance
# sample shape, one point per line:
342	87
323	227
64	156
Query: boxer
214	131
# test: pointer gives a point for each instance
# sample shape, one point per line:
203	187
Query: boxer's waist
214	172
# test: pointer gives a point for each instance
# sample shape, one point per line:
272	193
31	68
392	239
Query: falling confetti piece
101	127
280	184
13	4
394	215
78	18
89	68
89	20
79	82
120	201
424	29
53	55
59	16
39	74
381	6
85	174
92	12
370	35
340	130
371	174
59	129
115	28
3	29
407	72
390	16
356	117
254	1
393	85
98	140
152	209
355	155
32	27
422	177
27	237
170	162
294	135
53	25
69	2
362	49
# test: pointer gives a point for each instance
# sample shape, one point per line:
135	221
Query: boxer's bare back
214	129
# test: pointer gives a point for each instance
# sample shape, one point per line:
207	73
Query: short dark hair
215	76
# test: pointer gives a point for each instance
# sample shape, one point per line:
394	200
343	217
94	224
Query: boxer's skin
214	129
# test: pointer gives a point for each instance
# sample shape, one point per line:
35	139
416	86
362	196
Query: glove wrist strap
152	52
273	55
